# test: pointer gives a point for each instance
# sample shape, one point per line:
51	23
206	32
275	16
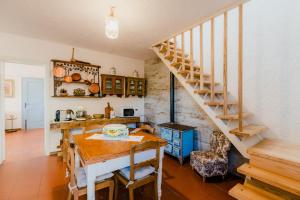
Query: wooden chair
139	174
93	128
145	127
78	181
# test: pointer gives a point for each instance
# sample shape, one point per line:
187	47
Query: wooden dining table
99	157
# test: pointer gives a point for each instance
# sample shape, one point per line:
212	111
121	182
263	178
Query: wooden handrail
225	108
212	58
191	55
240	69
203	20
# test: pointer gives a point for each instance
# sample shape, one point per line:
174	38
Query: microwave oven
128	112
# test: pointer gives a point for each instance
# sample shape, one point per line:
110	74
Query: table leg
91	179
159	177
66	134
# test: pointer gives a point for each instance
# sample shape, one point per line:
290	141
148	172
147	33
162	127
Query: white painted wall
13	105
271	62
28	50
2	143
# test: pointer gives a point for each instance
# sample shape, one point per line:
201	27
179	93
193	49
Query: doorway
33	103
24	109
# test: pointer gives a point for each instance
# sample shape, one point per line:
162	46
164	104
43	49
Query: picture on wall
9	88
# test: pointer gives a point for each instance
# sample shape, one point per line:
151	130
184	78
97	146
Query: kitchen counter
77	124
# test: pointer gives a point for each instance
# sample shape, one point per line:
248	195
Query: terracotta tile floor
28	174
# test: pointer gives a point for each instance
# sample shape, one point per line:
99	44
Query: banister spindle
212	58
191	55
168	47
201	59
175	48
225	108
240	69
182	53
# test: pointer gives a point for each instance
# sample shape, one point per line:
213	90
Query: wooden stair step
277	150
219	103
276	180
249	192
179	59
196	73
232	116
249	130
207	91
276	156
187	65
197	81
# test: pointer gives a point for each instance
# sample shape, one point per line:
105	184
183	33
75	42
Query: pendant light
111	25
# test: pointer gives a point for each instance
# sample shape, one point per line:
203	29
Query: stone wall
187	111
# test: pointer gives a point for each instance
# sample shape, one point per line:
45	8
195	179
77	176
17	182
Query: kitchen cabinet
135	87
180	140
112	85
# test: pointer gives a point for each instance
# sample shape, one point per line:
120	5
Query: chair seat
207	157
82	180
138	174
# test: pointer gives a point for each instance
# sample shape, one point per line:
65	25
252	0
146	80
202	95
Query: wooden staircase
274	169
267	170
214	98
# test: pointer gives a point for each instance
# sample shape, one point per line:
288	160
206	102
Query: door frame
23	100
47	95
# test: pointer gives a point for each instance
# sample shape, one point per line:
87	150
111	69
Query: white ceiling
81	22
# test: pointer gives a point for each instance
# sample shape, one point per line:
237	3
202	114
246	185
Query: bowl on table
115	130
98	116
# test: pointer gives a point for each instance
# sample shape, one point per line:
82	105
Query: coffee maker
57	115
69	113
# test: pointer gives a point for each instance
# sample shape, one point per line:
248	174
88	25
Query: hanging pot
68	78
94	88
76	77
59	71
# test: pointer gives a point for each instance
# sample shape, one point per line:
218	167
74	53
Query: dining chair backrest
71	166
154	162
147	128
93	128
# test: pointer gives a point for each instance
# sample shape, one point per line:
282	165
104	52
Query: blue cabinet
180	139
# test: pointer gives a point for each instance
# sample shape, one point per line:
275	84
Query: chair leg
131	194
155	190
111	191
69	195
116	188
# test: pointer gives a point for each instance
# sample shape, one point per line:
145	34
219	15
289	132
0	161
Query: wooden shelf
77	82
71	96
75	63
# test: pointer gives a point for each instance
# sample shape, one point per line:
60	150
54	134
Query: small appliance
128	112
57	116
69	113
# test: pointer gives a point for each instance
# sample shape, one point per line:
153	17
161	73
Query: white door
32	103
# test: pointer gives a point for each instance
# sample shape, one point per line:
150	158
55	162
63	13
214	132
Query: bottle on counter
112	113
107	111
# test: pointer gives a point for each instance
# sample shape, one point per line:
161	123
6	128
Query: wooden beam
240	69
191	55
201	58
225	107
212	58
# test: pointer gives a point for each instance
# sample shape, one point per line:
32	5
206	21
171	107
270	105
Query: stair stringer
241	145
